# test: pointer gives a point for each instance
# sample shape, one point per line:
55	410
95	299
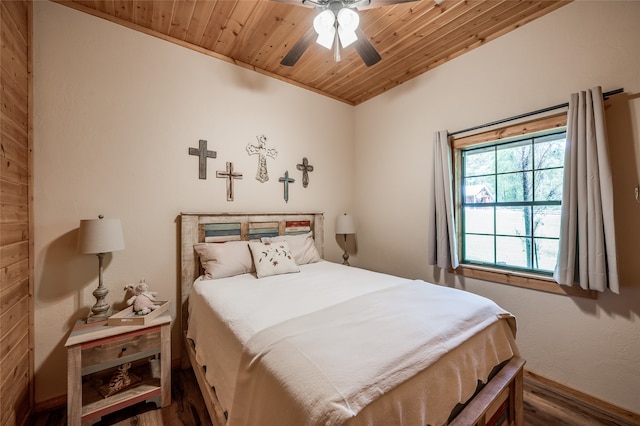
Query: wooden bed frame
502	394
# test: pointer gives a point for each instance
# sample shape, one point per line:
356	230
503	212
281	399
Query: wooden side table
95	351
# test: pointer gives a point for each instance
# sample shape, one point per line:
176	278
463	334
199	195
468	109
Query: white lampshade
345	224
100	236
348	21
347	37
348	18
324	24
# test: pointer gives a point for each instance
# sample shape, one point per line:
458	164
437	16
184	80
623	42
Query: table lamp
345	226
100	236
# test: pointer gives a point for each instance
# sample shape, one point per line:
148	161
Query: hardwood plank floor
187	408
541	408
544	407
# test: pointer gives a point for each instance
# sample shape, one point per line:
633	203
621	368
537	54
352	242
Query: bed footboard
499	402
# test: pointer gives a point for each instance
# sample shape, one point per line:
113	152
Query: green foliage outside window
511	194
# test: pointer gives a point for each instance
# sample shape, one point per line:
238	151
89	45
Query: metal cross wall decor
262	152
230	175
286	180
203	154
305	168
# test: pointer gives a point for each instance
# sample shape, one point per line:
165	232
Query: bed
313	342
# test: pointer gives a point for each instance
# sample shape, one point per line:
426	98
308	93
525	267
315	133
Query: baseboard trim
50	404
589	401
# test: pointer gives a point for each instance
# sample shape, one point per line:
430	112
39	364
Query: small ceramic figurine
143	300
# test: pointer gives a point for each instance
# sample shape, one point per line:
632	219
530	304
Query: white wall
592	346
115	112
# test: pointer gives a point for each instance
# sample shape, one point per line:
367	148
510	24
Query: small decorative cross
286	180
262	152
230	175
202	152
305	168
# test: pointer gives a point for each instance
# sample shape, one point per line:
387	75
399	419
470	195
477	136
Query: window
511	194
508	189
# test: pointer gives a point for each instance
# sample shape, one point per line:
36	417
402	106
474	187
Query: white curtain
442	246
587	252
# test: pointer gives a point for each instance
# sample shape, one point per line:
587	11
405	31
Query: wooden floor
187	408
541	408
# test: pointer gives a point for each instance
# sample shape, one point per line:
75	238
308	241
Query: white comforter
334	345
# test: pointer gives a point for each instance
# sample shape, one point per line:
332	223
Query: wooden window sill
520	279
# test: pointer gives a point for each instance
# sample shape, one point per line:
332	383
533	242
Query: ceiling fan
335	25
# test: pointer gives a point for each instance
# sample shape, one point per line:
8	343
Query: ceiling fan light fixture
347	37
348	21
324	25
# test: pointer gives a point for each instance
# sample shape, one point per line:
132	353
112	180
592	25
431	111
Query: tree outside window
511	194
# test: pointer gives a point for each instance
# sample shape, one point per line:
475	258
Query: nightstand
95	351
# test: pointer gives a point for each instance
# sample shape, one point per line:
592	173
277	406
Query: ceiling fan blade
365	49
299	48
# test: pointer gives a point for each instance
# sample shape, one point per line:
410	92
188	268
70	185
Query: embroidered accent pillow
303	247
272	258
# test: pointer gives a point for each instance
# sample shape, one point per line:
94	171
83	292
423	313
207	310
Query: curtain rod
528	114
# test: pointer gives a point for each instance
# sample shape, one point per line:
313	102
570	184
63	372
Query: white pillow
272	258
220	260
302	246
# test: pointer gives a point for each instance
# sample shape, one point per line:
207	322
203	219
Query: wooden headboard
219	227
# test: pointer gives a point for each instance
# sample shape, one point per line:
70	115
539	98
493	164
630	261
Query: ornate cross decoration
230	175
202	152
262	152
286	180
305	168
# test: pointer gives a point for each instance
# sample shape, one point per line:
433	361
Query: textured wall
115	114
592	346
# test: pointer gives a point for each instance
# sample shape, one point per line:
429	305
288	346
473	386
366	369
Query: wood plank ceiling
412	38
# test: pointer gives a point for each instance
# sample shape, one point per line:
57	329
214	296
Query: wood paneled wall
16	237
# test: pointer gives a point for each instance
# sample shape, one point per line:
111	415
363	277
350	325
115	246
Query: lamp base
103	316
101	310
345	258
